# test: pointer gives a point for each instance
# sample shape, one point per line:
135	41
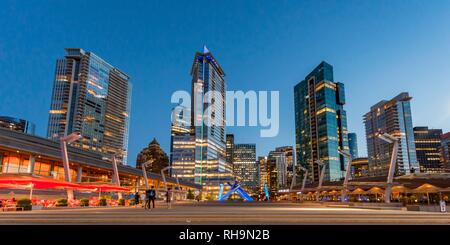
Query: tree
155	153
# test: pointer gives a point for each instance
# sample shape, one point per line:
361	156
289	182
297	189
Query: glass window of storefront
14	163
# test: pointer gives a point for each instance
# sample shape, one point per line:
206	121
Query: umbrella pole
31	191
428	198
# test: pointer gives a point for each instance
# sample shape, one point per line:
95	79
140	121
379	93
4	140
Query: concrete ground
223	213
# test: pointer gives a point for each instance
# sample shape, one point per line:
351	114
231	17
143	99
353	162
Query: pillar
79	173
31	164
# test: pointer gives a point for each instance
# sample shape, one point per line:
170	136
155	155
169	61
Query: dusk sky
378	49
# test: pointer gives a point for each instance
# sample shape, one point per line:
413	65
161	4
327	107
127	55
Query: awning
358	191
426	188
103	187
23	181
28	181
375	190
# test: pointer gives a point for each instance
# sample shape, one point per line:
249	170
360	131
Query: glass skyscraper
210	167
321	123
392	117
428	149
353	145
93	98
245	166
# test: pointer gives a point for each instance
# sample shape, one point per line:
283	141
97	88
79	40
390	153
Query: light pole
391	140
321	175
347	173
144	172
63	141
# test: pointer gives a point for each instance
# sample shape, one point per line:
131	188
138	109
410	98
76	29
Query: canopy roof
28	181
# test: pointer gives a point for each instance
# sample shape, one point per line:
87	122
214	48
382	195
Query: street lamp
391	140
321	175
63	141
144	172
347	173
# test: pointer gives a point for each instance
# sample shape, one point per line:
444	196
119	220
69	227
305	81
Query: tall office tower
182	148
445	150
17	124
353	145
211	167
93	98
279	159
263	173
245	167
275	177
287	153
428	149
392	117
321	123
229	148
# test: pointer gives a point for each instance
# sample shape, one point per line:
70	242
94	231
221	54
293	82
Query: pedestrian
150	198
136	199
168	198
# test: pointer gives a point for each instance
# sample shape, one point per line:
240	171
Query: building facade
360	167
229	148
428	149
353	145
17	124
321	123
93	98
211	167
245	167
445	151
392	117
263	173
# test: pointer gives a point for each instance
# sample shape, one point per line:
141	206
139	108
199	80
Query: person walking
137	197
150	198
168	198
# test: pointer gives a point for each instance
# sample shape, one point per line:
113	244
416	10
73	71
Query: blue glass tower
321	123
353	145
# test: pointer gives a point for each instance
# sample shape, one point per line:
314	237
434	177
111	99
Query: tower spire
205	49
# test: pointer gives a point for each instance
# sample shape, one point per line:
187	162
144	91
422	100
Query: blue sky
378	49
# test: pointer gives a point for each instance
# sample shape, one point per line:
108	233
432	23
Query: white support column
392	166
116	176
65	158
31	164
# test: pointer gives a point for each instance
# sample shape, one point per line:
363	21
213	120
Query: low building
445	150
23	154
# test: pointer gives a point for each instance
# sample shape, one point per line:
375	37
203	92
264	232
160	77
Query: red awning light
28	181
104	187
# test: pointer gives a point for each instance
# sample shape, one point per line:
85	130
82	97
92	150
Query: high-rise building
245	167
263	173
93	98
392	117
353	145
321	123
229	148
428	149
182	148
211	167
17	124
445	150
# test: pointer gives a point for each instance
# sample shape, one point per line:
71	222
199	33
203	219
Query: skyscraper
320	123
428	149
245	166
392	117
353	145
182	148
263	173
211	167
93	98
229	148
